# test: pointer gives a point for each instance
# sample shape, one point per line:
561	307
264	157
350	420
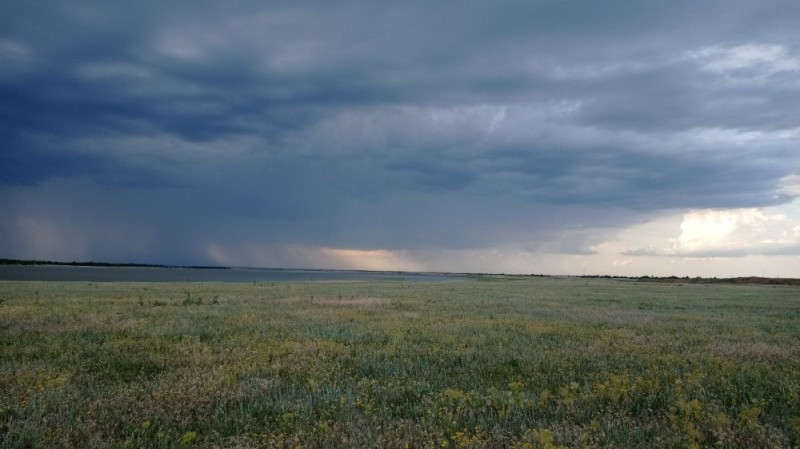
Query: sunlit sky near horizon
549	137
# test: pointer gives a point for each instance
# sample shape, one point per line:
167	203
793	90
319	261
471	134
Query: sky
551	137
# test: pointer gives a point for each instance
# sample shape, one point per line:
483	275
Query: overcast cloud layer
619	137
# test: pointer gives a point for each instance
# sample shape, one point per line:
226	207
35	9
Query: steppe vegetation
480	363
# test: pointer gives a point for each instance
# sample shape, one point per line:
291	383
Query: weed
486	363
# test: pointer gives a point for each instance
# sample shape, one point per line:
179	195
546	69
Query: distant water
154	274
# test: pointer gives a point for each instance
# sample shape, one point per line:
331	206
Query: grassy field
479	363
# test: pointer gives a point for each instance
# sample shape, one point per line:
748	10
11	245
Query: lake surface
157	274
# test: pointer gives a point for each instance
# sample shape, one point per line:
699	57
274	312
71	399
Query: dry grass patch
747	351
351	302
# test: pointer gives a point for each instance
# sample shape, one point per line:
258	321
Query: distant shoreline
106	264
103	272
745	280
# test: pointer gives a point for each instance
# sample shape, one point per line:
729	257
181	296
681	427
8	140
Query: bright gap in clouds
710	243
722	243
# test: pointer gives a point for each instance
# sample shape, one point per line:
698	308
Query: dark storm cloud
543	124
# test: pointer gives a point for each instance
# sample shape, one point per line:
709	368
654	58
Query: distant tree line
100	264
77	264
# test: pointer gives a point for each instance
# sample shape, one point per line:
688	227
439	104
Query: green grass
530	363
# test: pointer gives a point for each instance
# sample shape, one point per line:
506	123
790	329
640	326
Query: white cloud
789	185
746	63
771	58
721	231
714	234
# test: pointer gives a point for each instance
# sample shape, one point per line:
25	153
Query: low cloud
789	186
750	62
729	233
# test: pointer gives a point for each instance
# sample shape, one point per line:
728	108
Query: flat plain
489	362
